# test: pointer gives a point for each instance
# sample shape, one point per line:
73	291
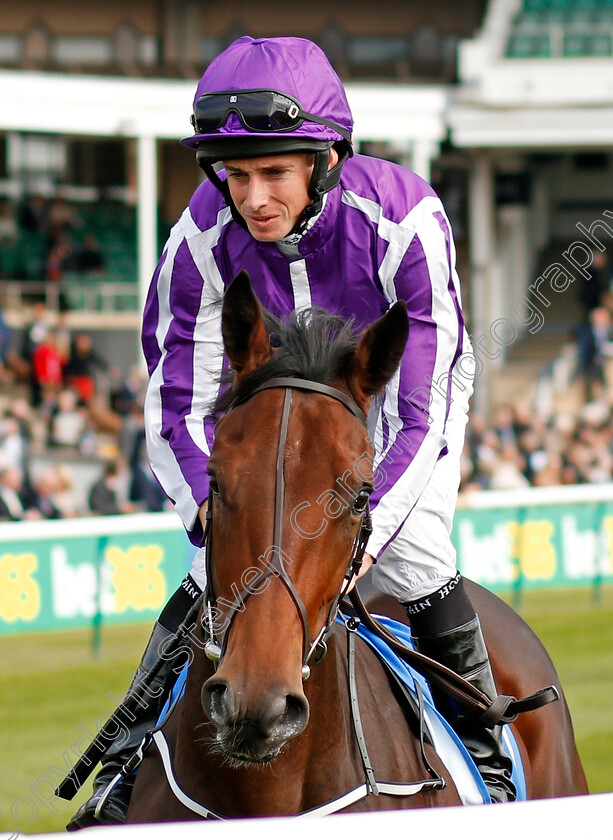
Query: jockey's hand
367	562
202	514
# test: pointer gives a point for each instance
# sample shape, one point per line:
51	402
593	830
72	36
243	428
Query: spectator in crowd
88	257
594	349
11	505
594	288
22	362
27	419
68	421
47	367
124	392
15	499
32	214
63	337
66	496
62	219
548	472
8	223
505	469
5	349
504	424
14	443
105	495
58	259
82	366
40	498
145	491
36	331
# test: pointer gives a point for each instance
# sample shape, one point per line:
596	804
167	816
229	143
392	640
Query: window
210	48
40	153
373	51
594	161
10	49
82	50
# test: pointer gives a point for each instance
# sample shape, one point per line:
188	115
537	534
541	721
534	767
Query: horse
264	727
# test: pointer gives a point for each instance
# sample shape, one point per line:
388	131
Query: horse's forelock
312	344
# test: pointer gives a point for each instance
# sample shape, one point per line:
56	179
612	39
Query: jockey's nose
257	193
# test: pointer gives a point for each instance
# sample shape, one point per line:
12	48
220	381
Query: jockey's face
271	192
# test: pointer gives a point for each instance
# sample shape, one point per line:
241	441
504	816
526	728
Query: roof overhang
474	126
55	103
531	103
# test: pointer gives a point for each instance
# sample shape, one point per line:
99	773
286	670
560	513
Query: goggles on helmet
258	110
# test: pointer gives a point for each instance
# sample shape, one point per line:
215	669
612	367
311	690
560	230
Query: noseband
275	563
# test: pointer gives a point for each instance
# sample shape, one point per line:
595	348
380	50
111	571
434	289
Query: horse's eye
214	486
361	500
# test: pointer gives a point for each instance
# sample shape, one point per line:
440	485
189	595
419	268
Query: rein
275	564
503	709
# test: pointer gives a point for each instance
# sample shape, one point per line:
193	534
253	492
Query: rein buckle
212	650
352	623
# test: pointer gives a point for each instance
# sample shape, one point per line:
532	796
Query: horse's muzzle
252	729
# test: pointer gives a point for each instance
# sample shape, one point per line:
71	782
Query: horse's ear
380	350
242	326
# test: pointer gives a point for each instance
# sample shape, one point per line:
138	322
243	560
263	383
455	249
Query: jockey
314	224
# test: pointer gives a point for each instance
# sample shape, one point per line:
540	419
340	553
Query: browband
317	387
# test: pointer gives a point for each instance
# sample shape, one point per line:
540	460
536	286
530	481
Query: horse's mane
311	344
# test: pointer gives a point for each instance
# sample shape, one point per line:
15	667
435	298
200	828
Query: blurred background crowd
521	449
46	238
71	426
569	440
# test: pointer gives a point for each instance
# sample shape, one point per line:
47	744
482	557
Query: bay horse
266	729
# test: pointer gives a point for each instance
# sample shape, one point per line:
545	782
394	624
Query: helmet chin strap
316	193
323	180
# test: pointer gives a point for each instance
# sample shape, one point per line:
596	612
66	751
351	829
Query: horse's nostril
289	715
296	711
218	702
271	713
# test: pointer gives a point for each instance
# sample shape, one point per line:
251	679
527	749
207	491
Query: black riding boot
463	650
115	807
446	628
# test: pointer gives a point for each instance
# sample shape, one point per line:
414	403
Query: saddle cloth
447	744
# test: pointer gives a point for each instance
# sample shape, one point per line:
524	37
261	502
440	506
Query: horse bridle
276	565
